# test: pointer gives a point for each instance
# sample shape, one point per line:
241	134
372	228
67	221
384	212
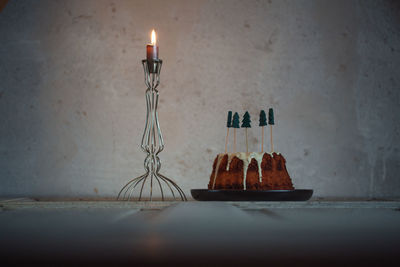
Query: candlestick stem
152	142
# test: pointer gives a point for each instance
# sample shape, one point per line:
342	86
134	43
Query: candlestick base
152	144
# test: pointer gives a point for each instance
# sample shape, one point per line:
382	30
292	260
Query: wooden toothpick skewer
226	141
272	143
262	139
234	140
247	143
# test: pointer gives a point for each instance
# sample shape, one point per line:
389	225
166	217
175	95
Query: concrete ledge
25	204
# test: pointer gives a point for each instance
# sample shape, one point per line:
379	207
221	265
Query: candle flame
153	37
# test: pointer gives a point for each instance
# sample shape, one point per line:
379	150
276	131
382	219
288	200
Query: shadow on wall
22	115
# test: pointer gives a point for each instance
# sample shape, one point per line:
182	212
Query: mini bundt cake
250	171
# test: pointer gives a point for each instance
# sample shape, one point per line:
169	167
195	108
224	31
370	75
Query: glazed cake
250	171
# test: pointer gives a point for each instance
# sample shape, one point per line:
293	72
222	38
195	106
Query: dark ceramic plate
252	195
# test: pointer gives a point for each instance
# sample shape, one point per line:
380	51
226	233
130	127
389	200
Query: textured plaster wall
72	93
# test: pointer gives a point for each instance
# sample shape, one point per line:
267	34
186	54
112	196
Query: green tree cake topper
228	125
246	123
263	122
229	121
236	123
271	122
263	118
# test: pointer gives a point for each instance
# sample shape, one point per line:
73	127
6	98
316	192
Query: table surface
200	233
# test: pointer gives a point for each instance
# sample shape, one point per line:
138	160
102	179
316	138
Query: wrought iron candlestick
152	143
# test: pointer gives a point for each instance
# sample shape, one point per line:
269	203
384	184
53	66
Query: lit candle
152	49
